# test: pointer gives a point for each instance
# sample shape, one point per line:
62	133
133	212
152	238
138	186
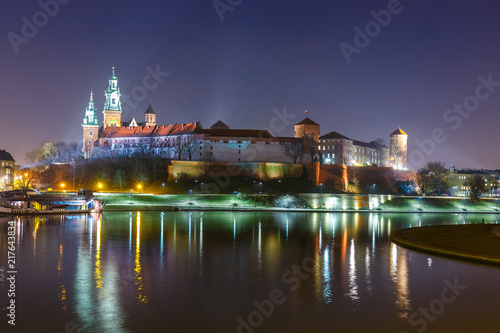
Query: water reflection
138	269
107	268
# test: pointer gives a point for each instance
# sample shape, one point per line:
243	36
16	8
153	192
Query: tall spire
90	114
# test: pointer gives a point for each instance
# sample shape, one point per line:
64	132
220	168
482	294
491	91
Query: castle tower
398	149
112	107
150	116
90	128
307	127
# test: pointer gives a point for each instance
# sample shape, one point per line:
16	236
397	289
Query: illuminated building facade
7	167
220	143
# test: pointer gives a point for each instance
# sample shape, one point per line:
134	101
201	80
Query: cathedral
220	143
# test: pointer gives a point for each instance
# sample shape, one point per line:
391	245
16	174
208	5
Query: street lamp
321	187
202	187
234	201
260	188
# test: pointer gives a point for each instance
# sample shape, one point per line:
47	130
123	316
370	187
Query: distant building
188	141
335	148
7	170
460	178
220	143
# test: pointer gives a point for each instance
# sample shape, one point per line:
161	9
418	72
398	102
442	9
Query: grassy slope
116	201
440	204
474	242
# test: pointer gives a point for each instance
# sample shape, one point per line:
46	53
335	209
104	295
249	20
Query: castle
220	143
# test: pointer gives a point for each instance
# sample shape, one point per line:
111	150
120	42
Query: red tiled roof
146	131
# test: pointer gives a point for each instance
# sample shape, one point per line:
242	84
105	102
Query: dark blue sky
263	55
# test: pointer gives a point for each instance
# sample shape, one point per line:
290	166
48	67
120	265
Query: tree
189	146
379	143
206	166
293	150
49	152
24	182
476	186
119	178
433	178
179	147
310	146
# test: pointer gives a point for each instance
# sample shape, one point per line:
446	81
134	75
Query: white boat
29	202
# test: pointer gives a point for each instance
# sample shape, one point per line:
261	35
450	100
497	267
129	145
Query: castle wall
261	171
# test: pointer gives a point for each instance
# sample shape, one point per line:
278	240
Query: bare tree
293	150
25	182
189	146
379	143
179	147
206	166
310	146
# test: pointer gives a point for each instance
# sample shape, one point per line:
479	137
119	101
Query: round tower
307	127
398	149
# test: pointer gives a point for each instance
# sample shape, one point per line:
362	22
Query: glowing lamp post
260	188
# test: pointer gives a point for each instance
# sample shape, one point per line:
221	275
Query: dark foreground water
242	272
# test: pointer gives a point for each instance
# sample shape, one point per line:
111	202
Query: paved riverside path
475	242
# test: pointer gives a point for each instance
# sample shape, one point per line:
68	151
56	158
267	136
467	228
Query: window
90	133
90	142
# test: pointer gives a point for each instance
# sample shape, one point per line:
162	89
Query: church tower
150	116
90	128
112	107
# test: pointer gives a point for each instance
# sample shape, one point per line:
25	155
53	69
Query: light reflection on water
192	272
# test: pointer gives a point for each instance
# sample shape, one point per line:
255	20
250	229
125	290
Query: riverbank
312	202
474	242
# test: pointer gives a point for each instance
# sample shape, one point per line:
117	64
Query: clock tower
112	107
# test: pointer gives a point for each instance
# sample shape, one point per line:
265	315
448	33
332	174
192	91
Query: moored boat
21	202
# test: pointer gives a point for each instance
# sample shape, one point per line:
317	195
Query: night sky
264	55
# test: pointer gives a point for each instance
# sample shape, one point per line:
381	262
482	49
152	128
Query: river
239	272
